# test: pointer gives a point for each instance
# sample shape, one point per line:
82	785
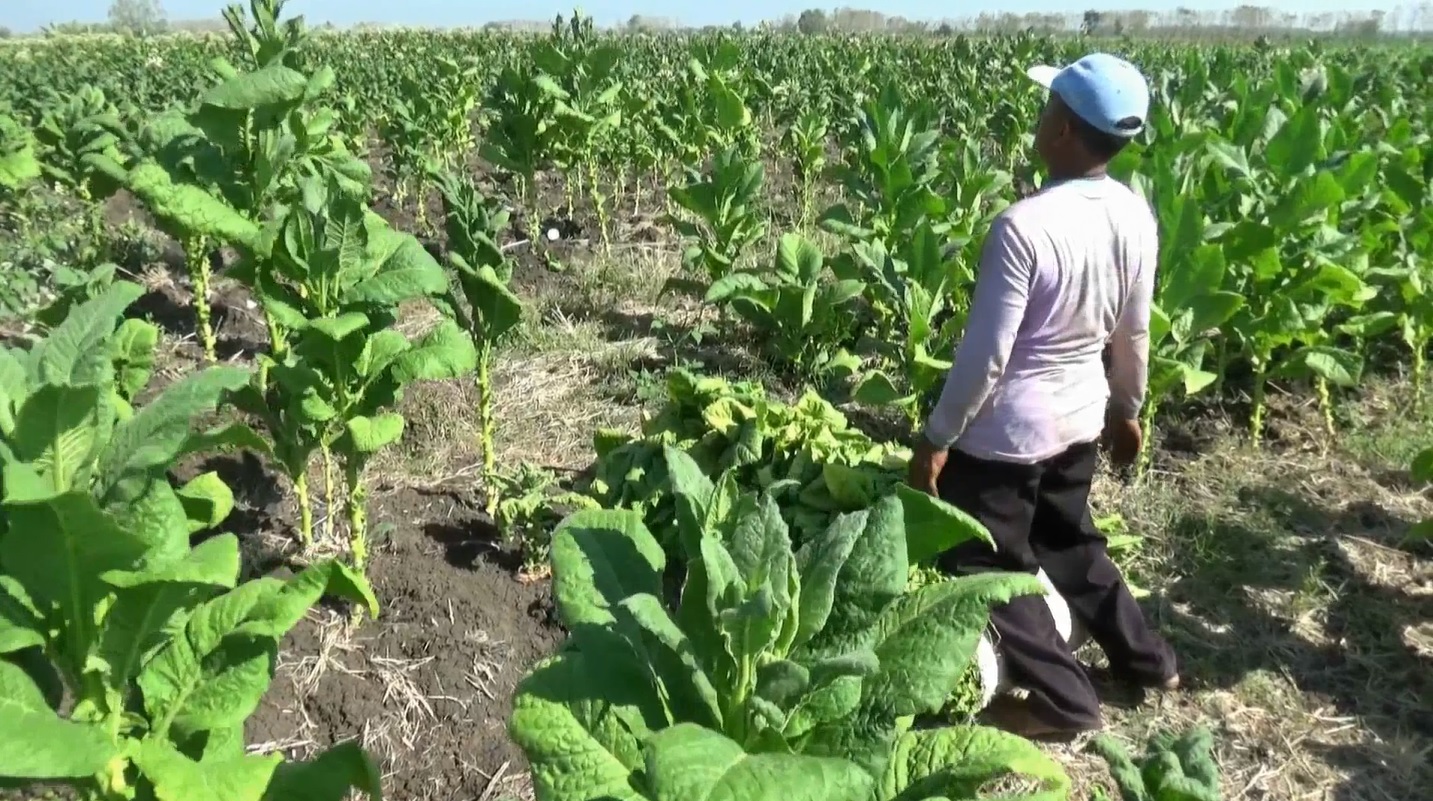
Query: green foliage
1174	767
723	213
805	454
489	310
803	318
336	280
812	658
158	649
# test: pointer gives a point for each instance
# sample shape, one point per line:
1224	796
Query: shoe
1018	718
1167	684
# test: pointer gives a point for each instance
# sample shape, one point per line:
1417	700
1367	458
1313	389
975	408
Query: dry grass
1301	622
398	736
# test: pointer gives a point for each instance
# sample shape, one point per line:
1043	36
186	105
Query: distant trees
138	17
812	20
1180	21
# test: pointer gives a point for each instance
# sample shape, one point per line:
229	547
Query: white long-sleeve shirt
1062	273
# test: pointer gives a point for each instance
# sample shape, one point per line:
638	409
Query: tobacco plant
337	278
1173	768
912	288
223	173
805	137
725	210
813	660
158	650
522	136
804	317
490	309
578	75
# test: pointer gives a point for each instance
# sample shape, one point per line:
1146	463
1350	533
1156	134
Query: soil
427	686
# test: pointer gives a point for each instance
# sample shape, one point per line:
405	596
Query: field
458	287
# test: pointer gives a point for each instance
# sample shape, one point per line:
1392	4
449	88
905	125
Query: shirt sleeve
1129	344
997	308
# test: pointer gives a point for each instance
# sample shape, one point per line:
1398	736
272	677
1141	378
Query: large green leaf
176	777
60	430
497	308
870	579
268	86
445	352
689	763
958	761
582	735
214	672
934	526
157	433
68	544
328	777
600	557
148	601
73	353
926	638
35	743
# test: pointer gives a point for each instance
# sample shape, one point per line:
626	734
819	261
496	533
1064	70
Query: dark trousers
1039	516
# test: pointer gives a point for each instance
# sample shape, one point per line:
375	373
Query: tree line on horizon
147	17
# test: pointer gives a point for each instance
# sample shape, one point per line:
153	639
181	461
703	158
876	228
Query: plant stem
196	258
1146	450
327	491
357	514
1321	386
487	428
1419	368
598	205
1256	416
305	510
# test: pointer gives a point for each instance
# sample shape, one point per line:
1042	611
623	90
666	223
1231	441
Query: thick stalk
357	514
276	349
328	506
527	195
598	205
1419	368
1146	449
196	258
1256	416
305	510
487	428
1321	386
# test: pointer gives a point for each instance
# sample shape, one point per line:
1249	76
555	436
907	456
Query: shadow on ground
1284	585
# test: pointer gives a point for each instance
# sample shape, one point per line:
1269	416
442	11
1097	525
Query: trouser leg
1003	497
1074	553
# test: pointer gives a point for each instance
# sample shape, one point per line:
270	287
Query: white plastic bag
993	678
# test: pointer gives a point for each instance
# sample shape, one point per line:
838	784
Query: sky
29	15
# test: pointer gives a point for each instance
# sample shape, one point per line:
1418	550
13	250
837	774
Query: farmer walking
1014	438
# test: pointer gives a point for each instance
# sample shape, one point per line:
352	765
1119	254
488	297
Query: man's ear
1063	129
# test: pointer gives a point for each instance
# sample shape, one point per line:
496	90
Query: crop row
740	594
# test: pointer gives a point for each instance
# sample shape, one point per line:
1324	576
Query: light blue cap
1104	90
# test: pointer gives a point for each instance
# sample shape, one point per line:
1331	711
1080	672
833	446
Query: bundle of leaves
1175	767
156	651
778	672
805	455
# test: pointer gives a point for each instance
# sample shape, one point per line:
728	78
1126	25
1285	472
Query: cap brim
1043	74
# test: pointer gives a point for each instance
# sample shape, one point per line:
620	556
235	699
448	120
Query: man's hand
926	463
1123	438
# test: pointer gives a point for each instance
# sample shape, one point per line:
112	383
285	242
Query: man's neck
1076	174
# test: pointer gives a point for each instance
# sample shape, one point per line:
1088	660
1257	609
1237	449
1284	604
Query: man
1014	438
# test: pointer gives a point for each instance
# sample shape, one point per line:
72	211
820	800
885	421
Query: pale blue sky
29	15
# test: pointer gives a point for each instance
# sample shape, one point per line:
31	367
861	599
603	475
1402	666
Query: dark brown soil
427	687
